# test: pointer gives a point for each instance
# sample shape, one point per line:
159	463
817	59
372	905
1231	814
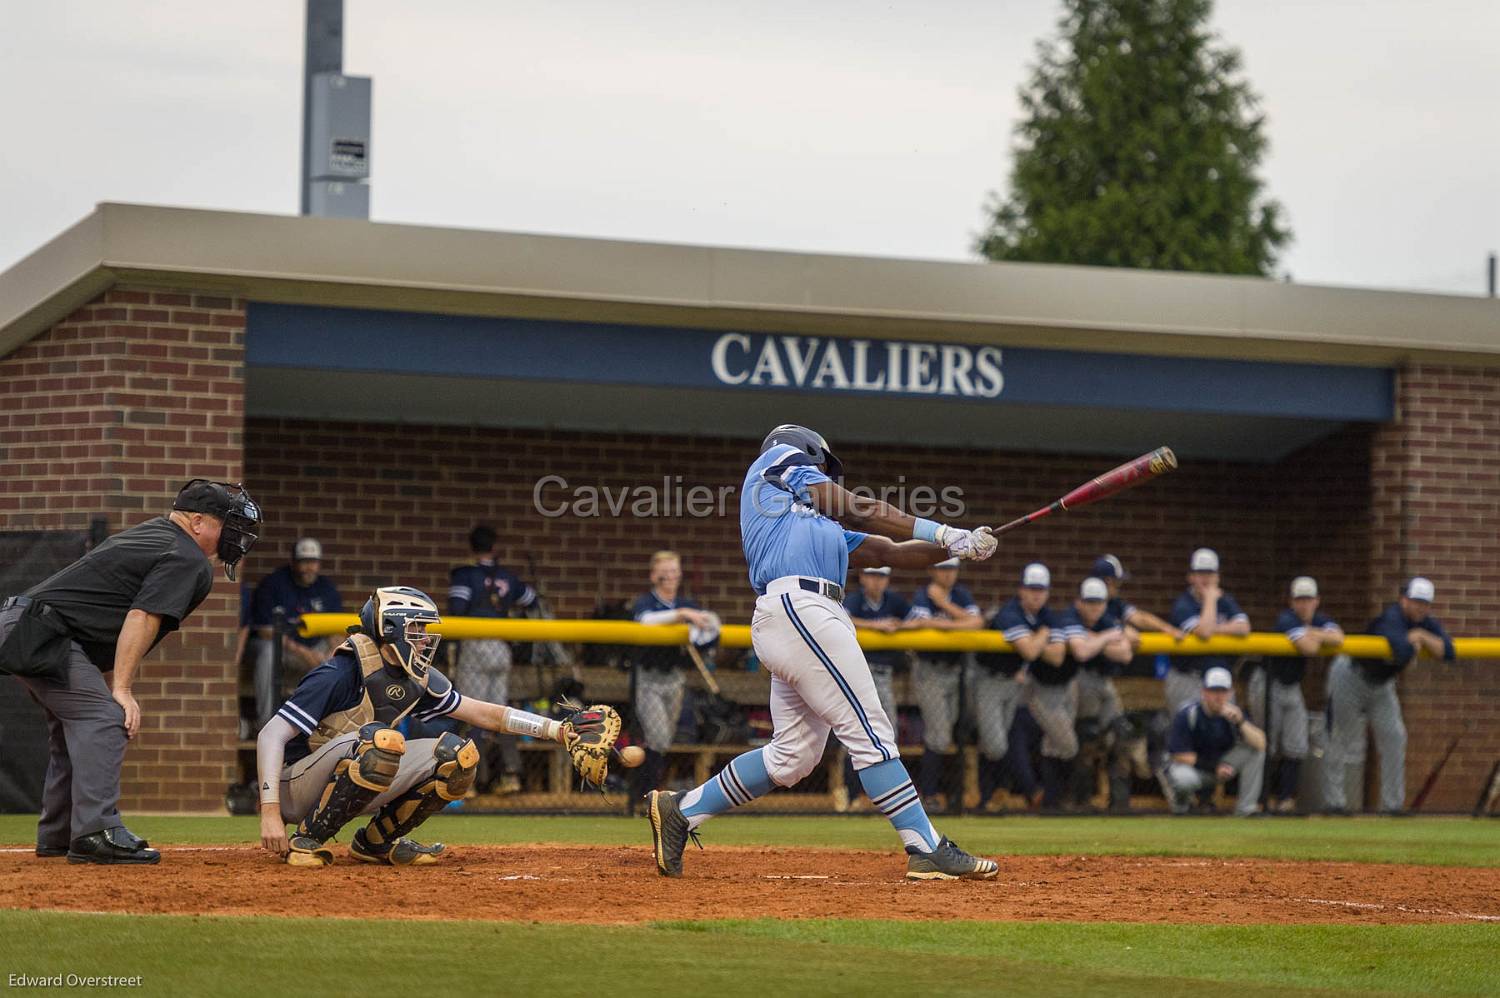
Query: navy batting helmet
809	442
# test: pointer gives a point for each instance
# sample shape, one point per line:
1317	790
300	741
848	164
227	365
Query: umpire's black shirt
155	567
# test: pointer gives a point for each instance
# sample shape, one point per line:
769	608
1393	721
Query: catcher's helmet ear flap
397	619
809	442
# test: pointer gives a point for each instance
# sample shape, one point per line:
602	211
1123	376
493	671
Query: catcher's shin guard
457	760
356	781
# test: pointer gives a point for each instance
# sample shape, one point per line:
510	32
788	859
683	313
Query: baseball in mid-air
632	755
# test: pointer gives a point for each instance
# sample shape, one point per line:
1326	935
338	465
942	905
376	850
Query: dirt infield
526	883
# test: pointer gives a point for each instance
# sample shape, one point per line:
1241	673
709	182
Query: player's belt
822	587
17	601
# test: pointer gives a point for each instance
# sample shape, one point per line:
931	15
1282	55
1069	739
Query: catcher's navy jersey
338	685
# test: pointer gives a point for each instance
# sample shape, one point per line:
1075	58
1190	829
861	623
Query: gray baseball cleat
948	862
669	832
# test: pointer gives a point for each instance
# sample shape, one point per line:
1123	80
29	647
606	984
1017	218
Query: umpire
103	614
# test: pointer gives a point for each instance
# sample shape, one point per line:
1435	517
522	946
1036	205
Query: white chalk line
1372	906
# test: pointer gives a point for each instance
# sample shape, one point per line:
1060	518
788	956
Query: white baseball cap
1036	576
1093	590
307	549
1218	678
950	563
1204	560
883	570
1304	585
1421	589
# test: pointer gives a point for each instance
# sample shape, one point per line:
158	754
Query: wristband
925	530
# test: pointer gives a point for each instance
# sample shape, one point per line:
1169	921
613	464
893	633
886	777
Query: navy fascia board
337	339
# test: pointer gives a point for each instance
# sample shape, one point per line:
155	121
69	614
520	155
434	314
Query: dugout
383	387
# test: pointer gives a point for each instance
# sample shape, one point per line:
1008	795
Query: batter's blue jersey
783	534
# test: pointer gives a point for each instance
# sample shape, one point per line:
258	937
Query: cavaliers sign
811	362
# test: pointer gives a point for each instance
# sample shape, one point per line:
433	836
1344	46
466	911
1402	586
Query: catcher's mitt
590	734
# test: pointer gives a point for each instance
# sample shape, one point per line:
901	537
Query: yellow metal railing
627	632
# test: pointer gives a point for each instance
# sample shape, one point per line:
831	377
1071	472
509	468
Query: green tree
1139	149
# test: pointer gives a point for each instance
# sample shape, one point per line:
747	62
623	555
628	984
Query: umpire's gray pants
86	745
1181	689
1184	780
937	688
996	697
303	782
1056	711
1352	701
1286	728
658	705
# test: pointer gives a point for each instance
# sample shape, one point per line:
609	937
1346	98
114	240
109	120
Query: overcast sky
833	126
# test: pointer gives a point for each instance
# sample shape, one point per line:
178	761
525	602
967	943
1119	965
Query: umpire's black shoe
112	846
669	832
47	852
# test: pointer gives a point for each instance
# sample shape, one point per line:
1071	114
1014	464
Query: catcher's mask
809	442
397	618
232	505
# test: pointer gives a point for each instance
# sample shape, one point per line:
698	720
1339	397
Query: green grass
1431	841
243	956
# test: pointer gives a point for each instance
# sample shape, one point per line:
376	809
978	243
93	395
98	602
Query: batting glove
970	545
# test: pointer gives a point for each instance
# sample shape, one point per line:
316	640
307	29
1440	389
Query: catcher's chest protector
383	698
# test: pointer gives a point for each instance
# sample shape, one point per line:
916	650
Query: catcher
332	752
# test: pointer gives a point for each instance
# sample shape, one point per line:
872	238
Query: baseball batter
332	752
791	508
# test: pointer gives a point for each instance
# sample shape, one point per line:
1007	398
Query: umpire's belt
17	601
789	583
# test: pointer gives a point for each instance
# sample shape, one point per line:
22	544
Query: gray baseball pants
86	743
937	688
658	705
1184	780
1055	709
1286	727
1181	689
996	697
1354	701
303	782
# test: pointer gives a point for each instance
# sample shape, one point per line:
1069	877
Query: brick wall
108	413
1435	490
396	502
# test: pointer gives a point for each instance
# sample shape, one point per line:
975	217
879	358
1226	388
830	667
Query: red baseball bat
1117	480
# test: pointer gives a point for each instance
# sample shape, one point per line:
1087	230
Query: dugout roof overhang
1068	323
